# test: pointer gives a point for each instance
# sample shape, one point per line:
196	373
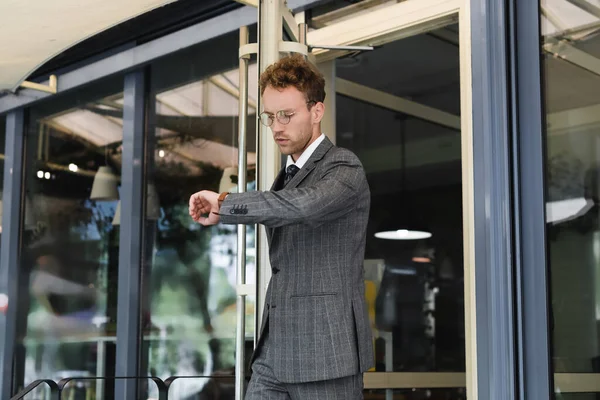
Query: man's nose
277	126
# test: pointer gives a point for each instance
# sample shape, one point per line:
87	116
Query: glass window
414	288
189	276
572	83
70	247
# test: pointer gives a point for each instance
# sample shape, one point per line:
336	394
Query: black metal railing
216	385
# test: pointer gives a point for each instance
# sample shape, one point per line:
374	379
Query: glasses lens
266	119
283	118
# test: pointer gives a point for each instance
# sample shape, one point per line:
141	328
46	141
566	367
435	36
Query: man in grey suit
315	340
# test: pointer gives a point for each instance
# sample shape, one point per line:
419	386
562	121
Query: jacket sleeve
333	196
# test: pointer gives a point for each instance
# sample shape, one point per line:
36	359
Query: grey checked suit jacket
315	304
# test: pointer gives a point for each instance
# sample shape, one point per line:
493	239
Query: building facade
477	124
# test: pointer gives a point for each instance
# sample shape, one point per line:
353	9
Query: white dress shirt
306	154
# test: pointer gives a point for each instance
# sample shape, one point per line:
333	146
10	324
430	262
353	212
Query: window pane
190	271
414	288
572	84
70	247
429	76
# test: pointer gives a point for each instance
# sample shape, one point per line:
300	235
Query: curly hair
295	71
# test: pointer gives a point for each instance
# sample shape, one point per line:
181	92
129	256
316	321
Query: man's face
303	126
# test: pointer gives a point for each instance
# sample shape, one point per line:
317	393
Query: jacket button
232	211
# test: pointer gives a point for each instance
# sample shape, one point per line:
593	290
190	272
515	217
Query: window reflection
572	83
189	272
69	255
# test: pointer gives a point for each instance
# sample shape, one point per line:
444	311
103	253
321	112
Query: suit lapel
311	163
278	182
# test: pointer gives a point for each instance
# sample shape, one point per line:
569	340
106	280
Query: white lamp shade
227	184
566	210
403	234
104	187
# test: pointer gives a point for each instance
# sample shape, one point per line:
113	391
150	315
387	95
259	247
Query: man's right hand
202	203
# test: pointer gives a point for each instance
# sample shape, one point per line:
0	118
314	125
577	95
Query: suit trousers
264	386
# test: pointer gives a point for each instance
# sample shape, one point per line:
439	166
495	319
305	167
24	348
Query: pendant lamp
104	187
404	232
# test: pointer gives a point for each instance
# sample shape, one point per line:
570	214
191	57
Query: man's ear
317	112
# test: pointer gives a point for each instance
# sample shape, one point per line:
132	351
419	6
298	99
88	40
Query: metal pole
268	157
241	231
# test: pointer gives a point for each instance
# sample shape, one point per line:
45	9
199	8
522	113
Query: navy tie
289	173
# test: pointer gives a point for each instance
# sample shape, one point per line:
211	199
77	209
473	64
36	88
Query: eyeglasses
283	117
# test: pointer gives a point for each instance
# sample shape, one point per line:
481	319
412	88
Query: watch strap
222	197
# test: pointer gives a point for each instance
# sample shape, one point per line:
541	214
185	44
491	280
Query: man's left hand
202	203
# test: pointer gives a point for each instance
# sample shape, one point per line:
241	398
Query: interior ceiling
204	111
34	31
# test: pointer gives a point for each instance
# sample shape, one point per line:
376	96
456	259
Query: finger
192	201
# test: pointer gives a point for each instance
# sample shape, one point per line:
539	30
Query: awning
35	31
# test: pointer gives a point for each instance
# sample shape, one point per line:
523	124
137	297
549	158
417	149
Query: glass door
403	106
571	66
398	107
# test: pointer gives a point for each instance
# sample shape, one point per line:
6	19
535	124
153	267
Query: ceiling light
73	167
566	210
403	234
47	175
421	259
161	153
40	174
105	185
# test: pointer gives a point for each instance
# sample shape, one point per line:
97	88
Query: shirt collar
306	154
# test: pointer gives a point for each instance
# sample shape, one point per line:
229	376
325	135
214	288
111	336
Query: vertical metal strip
130	245
11	243
536	378
270	33
494	291
259	233
240	372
